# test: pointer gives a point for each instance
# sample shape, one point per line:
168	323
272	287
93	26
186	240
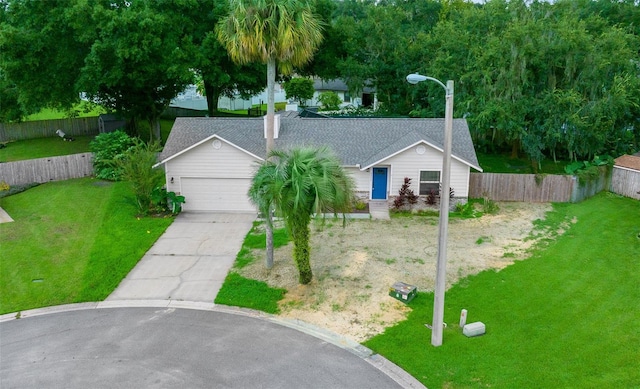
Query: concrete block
474	329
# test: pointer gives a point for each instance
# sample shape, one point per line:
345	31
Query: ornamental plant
108	149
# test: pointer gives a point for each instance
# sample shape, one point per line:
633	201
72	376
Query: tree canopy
133	57
546	79
300	89
550	80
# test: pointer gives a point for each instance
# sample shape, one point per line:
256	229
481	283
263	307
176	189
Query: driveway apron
190	260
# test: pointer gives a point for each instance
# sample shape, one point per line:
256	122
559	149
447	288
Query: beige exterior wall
409	164
361	178
207	161
228	162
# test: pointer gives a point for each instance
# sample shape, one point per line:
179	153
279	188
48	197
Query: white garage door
216	194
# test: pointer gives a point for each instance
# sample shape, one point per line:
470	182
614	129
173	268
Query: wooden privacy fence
521	187
47	169
626	182
535	188
48	128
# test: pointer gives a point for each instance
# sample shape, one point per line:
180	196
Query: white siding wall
409	163
362	179
206	161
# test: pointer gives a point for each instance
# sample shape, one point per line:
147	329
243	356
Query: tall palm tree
298	184
283	33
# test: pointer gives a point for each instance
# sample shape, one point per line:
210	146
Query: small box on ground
474	329
403	292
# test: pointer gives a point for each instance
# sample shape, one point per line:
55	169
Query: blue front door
379	190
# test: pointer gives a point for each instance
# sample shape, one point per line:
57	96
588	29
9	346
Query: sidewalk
379	209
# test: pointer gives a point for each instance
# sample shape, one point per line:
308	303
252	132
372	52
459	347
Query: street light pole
441	266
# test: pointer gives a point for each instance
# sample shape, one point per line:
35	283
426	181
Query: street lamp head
416	78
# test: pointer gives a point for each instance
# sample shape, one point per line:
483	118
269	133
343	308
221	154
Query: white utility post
441	267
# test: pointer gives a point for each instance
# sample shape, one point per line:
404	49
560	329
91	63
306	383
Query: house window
429	180
347	97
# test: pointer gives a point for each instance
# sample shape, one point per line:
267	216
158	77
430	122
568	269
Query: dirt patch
355	266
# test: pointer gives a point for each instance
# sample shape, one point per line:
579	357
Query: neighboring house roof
361	142
629	162
336	86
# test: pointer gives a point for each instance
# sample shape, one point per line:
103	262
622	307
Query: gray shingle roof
336	85
357	141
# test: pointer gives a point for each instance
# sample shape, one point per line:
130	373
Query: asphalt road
169	348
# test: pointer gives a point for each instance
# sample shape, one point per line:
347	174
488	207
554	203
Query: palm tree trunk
271	104
269	233
301	251
271	83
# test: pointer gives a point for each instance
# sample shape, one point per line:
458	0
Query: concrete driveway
190	260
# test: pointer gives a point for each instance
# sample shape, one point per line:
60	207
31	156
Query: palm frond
259	30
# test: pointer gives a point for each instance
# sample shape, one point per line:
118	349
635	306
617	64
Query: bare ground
355	266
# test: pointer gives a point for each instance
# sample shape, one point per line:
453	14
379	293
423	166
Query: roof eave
415	144
216	136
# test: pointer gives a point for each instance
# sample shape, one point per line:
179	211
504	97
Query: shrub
330	101
466	210
136	167
432	197
589	171
360	205
107	149
165	202
405	196
15	189
489	206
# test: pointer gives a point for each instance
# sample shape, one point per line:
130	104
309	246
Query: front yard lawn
566	317
71	241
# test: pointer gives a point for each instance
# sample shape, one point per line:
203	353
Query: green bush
107	149
330	101
489	206
466	210
136	167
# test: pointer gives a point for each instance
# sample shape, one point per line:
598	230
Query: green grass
566	317
71	241
165	129
82	110
243	292
44	147
503	163
55	146
256	239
